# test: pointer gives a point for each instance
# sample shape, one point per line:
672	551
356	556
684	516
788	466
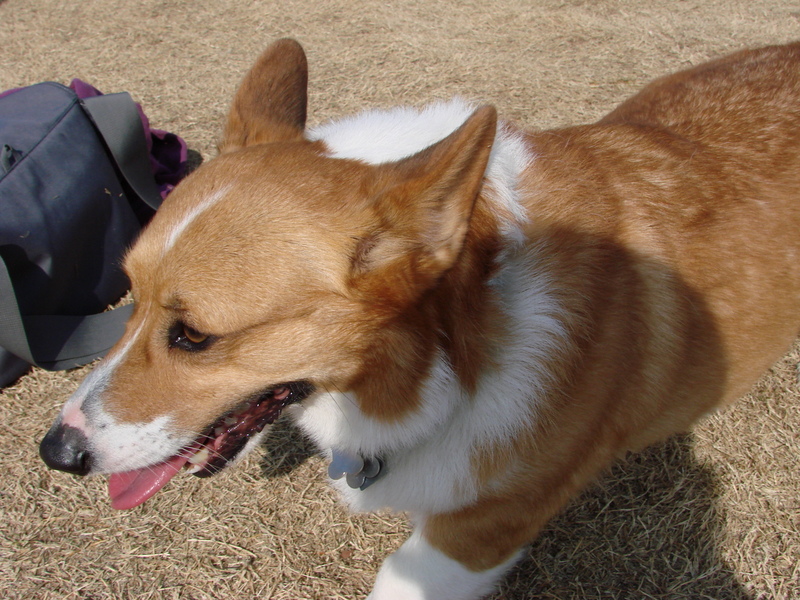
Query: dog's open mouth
218	445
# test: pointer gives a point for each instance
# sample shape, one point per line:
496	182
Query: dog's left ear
270	104
423	205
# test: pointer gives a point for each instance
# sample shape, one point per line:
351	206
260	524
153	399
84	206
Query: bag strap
117	119
65	341
56	341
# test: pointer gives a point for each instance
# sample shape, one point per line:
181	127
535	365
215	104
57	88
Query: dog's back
670	232
692	188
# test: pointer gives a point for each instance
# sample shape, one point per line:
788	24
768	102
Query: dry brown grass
715	514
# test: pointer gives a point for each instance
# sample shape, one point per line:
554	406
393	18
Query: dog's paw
418	571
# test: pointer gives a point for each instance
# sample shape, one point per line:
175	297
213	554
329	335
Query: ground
714	514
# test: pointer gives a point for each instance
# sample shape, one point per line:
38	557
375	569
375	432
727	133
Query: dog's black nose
66	449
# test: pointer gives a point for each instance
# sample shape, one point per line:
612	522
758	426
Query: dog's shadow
287	449
648	529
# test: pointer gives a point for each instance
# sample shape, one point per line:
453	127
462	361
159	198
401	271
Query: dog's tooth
200	457
219	430
231	421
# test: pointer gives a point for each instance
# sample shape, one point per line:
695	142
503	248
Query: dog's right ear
270	104
423	205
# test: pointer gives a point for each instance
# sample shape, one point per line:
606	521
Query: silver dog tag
360	472
344	464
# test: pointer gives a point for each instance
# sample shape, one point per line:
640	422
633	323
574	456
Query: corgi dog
470	320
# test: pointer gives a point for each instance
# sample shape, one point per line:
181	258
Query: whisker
335	400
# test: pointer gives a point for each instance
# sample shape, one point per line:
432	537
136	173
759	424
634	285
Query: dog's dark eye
187	338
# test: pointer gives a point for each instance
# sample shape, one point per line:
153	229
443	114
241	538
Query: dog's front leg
418	571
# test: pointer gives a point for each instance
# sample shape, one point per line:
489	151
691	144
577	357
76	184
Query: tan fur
669	231
689	280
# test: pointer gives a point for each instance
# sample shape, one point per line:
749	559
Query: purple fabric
168	152
8	92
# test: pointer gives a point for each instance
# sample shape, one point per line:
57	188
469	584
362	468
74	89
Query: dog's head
271	274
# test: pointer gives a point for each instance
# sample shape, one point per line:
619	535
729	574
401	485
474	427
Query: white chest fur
429	454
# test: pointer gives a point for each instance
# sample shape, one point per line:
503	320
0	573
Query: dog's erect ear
270	104
424	204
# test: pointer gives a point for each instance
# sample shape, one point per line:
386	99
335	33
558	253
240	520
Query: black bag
75	189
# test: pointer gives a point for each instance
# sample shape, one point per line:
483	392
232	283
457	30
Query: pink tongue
134	487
